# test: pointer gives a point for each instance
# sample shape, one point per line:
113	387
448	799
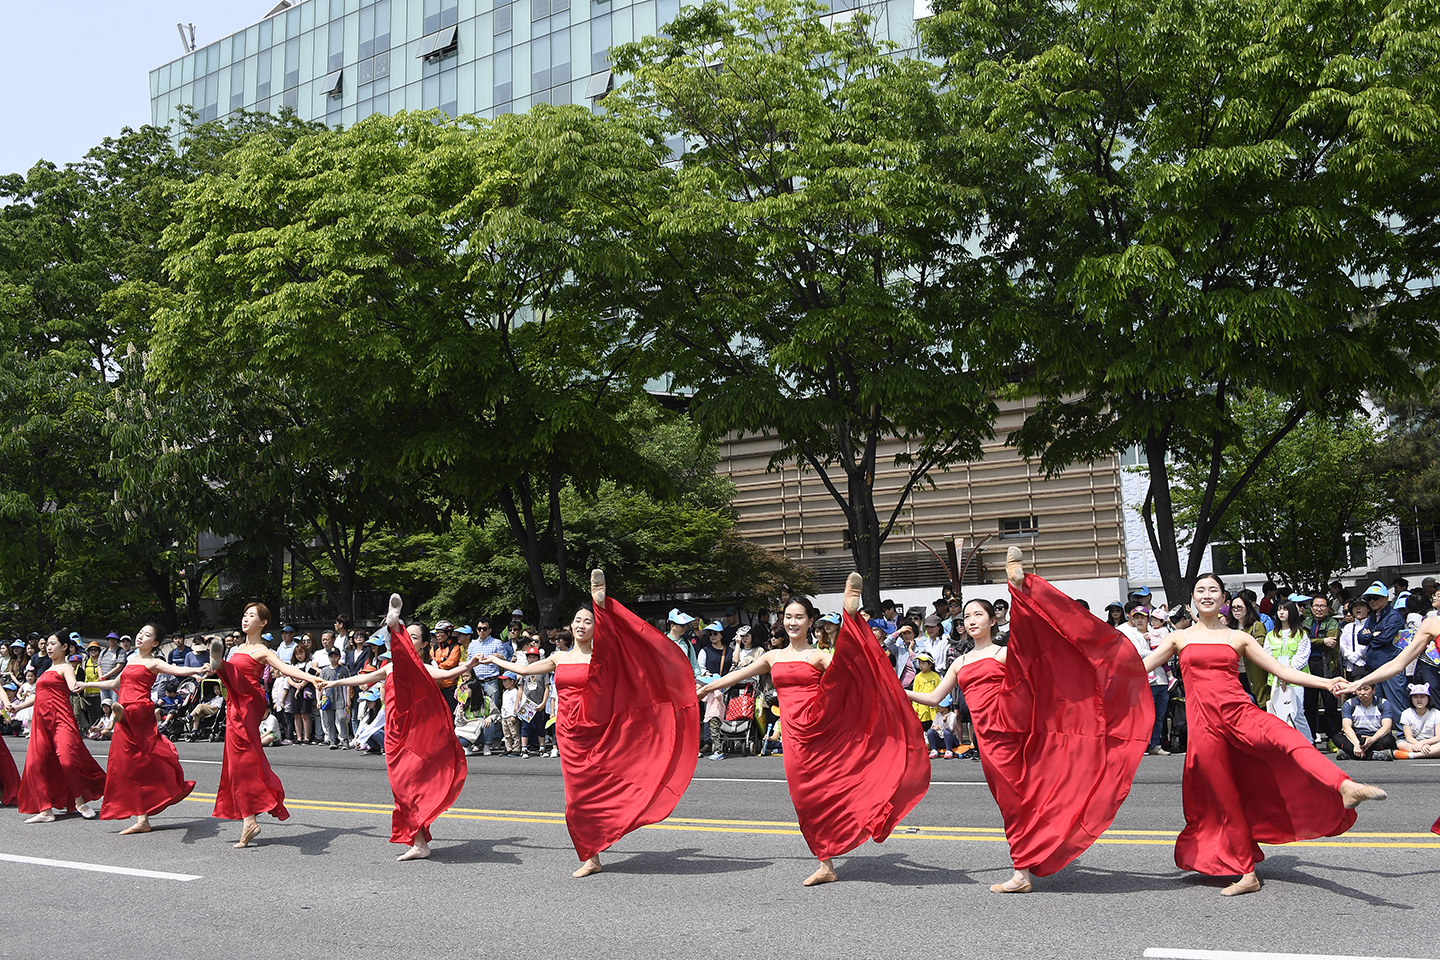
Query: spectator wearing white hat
1419	725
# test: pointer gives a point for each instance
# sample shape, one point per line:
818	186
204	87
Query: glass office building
341	60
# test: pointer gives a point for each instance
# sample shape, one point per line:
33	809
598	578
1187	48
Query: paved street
720	879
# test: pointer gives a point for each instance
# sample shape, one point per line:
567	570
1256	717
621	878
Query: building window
1015	527
292	64
1134	456
237	86
262	84
600	84
331	86
600	40
1417	544
441	13
374	29
504	19
540	9
440	43
237	47
336	59
504	81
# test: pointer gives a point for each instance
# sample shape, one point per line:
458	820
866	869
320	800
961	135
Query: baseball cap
386	655
1419	689
1140	592
924	656
112	635
266	636
465	630
517	614
286	628
532	649
378	640
681	618
830	618
932	621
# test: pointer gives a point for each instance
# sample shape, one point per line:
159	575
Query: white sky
74	72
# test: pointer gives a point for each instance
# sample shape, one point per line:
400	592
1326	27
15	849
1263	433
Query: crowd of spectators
1341	634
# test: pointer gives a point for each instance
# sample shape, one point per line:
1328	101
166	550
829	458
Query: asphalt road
721	878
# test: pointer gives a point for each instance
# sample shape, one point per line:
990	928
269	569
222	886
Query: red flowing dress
855	758
423	756
1290	792
628	730
9	777
58	768
1061	726
143	775
247	784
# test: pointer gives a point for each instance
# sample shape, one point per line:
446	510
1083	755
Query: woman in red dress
1426	634
855	758
248	787
1062	716
9	774
143	775
423	758
1291	792
627	724
58	767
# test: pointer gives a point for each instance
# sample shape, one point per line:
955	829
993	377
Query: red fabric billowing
1061	726
628	729
1290	792
855	759
247	784
58	768
9	777
143	775
422	754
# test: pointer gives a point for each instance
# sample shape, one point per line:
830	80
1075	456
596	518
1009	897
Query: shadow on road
897	870
477	851
1077	879
684	862
1291	869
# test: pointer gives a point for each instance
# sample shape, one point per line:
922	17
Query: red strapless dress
247	784
58	768
9	777
1290	792
1061	725
854	752
422	754
628	729
144	775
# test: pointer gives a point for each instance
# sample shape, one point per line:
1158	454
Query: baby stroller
738	731
210	727
172	723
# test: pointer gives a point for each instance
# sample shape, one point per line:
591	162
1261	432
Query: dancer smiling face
582	627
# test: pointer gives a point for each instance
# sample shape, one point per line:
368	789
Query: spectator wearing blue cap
286	650
827	630
1379	635
679	622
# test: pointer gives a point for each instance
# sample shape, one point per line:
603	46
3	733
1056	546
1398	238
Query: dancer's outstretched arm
437	674
546	665
160	666
359	680
754	668
932	698
1256	654
1424	636
98	684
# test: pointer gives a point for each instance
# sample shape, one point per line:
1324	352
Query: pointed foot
1010	886
249	833
1015	568
392	616
597	587
417	852
589	866
853	585
826	873
47	816
135	828
1355	794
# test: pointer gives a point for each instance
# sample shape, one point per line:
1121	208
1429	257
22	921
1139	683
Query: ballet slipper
44	816
247	834
589	866
85	811
826	873
1010	886
597	591
853	585
1355	794
420	850
392	616
1015	568
1241	887
136	827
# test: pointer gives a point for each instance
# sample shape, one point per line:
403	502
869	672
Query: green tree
1184	197
450	282
810	257
1319	485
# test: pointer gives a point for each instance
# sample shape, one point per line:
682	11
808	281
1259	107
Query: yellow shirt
924	683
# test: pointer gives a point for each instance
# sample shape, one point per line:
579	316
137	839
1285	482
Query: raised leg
392	616
853	585
1015	568
597	596
1355	794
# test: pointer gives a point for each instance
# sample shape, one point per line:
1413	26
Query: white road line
98	868
933	783
1164	953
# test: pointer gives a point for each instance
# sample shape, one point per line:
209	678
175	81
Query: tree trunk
161	586
865	539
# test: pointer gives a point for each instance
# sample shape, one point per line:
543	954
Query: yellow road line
1157	838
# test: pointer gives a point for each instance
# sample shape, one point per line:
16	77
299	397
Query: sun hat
1419	689
831	618
1377	589
676	617
714	626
